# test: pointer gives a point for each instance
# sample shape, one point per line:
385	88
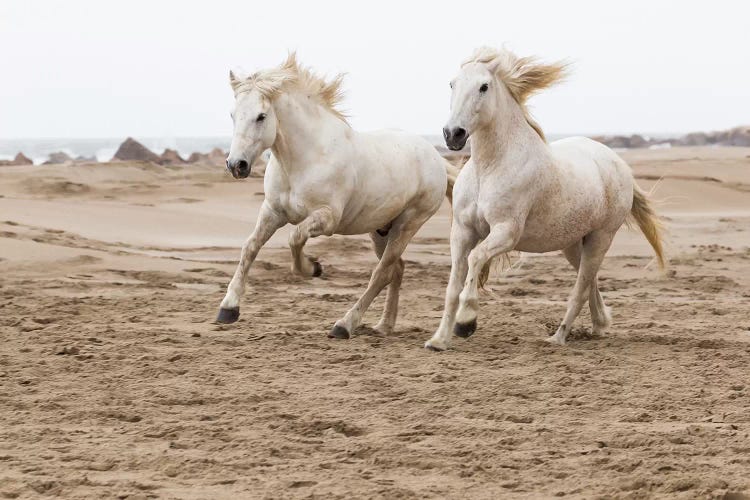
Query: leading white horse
326	179
518	192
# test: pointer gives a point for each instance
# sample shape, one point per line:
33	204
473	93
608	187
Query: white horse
518	192
326	178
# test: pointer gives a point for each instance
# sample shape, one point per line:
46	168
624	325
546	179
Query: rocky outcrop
197	158
20	159
171	157
58	158
132	150
737	136
624	141
215	158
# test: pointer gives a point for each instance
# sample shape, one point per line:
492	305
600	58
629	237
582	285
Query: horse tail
642	213
452	171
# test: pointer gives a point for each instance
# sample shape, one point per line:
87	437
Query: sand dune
116	383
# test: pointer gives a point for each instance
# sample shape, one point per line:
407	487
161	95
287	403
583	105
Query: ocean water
104	149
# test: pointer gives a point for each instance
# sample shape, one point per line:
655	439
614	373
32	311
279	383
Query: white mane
290	74
523	76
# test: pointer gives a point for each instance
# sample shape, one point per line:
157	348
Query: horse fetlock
383	327
559	337
467	311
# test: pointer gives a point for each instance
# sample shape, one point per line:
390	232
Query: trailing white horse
326	178
518	192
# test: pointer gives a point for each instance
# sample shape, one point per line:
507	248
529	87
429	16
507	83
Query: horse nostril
459	133
446	133
242	165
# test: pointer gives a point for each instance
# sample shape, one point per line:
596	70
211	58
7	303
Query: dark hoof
228	315
464	330
338	332
317	269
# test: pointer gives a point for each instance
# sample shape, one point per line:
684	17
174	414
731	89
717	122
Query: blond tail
642	213
452	171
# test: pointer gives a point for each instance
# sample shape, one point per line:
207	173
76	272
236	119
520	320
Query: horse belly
558	229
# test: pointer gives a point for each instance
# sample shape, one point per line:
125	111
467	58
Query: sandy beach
115	381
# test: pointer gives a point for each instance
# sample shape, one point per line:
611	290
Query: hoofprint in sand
114	380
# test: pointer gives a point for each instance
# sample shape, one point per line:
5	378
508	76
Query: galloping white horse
518	192
325	178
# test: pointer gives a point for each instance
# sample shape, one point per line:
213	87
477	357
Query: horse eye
484	87
261	117
451	84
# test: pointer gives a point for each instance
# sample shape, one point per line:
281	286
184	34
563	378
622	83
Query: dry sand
114	381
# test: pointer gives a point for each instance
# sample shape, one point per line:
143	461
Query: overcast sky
159	68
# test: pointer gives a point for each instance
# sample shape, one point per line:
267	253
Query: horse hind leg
593	250
399	236
601	314
390	311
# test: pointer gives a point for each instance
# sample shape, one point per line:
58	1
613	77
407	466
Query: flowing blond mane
290	74
523	76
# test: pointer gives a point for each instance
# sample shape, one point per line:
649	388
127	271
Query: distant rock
132	150
215	158
637	141
199	158
85	159
694	139
58	158
20	159
739	136
171	157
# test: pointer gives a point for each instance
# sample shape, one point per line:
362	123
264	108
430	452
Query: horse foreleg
319	222
398	238
463	241
502	239
594	248
268	223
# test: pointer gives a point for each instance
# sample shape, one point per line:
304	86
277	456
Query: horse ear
233	80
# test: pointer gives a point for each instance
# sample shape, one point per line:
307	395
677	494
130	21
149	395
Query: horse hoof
338	332
317	269
228	315
464	330
433	348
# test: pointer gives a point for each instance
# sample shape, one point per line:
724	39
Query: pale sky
159	68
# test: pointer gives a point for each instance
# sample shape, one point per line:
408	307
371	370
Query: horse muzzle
455	138
239	169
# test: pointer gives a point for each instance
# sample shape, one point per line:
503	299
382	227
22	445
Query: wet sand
115	382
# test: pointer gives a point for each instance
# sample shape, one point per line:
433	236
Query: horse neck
305	128
505	138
